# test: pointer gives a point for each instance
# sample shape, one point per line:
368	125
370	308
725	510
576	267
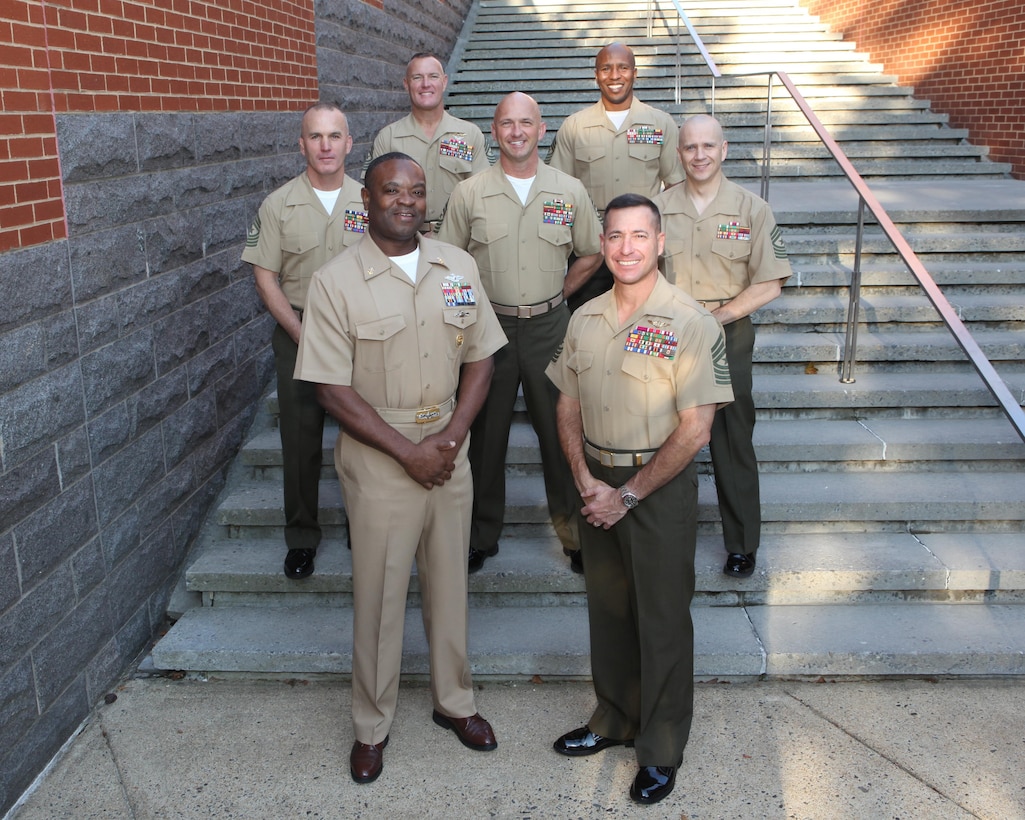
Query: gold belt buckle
425	415
605	458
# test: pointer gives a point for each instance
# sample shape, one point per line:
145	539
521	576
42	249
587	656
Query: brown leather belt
528	311
615	458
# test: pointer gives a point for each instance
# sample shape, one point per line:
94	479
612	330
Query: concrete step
906	394
804	501
730	642
793	569
884	442
878	309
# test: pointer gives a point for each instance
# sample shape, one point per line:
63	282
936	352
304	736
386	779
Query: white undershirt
328	198
408	263
617	118
521	186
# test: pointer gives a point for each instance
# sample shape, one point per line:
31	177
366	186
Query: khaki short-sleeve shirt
632	380
735	243
293	235
521	250
639	158
455	152
399	345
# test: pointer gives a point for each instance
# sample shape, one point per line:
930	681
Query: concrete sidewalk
259	749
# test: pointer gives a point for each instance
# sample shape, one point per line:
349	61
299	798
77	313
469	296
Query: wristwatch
629	499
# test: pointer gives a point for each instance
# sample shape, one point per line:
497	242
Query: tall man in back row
448	149
723	247
300	226
617	146
521	220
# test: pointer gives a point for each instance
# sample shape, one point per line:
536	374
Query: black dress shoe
738	565
583	741
576	561
653	783
474	732
366	761
299	563
476	559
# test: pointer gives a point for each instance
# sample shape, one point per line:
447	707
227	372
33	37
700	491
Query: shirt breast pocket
299	243
649	390
645	152
732	249
580	361
377	348
492	239
554	247
457	320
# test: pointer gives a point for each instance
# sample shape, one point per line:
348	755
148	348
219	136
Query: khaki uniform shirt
632	380
735	243
521	250
457	151
398	345
637	159
293	235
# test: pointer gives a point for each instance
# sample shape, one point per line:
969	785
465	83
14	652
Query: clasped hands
432	461
603	505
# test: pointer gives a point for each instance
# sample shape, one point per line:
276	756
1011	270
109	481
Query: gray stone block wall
362	53
131	358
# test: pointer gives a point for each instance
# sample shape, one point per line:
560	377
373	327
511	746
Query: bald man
723	247
299	227
521	220
617	146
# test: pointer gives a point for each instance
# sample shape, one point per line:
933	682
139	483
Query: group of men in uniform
413	310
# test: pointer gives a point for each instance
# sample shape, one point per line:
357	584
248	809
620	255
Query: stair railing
681	17
866	199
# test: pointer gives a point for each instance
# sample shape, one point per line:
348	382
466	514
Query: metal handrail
713	69
866	199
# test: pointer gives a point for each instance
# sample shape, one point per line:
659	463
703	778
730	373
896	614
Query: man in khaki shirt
521	220
641	374
448	149
617	146
299	227
399	339
724	248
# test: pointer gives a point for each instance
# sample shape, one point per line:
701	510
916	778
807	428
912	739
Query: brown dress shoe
366	761
474	732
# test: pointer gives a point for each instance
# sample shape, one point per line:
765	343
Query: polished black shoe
583	741
476	559
576	561
738	565
474	732
299	563
366	761
652	783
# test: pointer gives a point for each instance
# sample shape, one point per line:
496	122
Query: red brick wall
66	56
966	56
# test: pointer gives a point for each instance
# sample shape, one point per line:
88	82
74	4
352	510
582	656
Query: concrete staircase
548	50
894	506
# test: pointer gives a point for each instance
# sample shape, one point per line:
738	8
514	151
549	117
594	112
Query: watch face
629	499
